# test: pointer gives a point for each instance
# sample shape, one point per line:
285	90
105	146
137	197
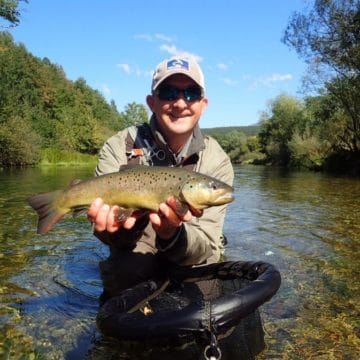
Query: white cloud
163	37
270	80
134	70
280	77
124	67
168	45
221	66
146	37
171	49
174	51
229	82
153	37
105	90
148	73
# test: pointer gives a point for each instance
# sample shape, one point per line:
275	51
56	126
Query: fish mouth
224	198
204	195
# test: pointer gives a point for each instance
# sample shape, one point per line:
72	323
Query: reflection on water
309	226
306	224
49	284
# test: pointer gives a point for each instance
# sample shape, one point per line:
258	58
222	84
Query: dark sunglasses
170	93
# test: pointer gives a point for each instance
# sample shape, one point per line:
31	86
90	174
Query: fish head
203	192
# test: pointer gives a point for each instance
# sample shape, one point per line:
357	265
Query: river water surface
307	224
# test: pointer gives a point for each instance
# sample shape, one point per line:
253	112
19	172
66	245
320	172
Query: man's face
179	116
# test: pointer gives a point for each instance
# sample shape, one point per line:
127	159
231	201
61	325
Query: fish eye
213	186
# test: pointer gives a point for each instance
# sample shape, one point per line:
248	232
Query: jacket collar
193	146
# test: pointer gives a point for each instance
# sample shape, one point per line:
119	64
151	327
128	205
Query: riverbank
66	158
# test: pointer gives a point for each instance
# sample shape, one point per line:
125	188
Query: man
141	243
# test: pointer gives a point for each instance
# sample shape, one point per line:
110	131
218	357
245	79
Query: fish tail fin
48	213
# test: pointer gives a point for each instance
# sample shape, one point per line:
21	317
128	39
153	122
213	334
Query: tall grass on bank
66	158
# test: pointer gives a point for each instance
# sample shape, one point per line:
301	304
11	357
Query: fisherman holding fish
170	207
159	199
139	243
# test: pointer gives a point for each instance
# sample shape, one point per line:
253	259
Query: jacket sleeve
200	240
113	154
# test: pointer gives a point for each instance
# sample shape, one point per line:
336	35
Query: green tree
134	114
234	144
99	108
331	122
9	10
253	144
65	115
19	144
285	116
307	150
328	39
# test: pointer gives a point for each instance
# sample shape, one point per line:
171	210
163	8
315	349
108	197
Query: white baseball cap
178	65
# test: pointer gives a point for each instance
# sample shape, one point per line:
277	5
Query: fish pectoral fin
81	210
196	212
124	213
181	208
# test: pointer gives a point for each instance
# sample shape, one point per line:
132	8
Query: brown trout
132	188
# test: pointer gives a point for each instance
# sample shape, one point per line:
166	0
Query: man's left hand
167	221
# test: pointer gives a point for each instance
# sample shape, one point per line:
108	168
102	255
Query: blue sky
115	45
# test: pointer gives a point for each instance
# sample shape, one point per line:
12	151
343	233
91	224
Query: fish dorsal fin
132	166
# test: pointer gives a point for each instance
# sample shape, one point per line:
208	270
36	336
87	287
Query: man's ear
150	101
205	103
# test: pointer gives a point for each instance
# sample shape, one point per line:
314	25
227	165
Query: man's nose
180	102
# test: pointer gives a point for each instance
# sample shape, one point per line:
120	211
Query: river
306	224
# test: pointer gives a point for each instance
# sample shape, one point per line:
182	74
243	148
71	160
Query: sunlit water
307	224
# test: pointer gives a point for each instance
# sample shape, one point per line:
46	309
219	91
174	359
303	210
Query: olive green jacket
198	241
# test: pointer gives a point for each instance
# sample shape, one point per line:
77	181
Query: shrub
19	144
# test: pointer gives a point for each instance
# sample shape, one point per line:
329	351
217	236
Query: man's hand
105	217
167	221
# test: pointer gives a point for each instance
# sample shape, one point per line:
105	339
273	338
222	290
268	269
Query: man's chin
179	129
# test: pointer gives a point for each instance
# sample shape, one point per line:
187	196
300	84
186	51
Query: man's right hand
106	217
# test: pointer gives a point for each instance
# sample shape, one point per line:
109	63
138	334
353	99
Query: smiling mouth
178	116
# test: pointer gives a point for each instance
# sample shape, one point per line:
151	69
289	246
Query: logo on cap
177	64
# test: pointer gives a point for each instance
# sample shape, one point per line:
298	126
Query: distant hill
40	108
250	130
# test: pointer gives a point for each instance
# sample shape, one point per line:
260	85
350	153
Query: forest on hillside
43	112
42	109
